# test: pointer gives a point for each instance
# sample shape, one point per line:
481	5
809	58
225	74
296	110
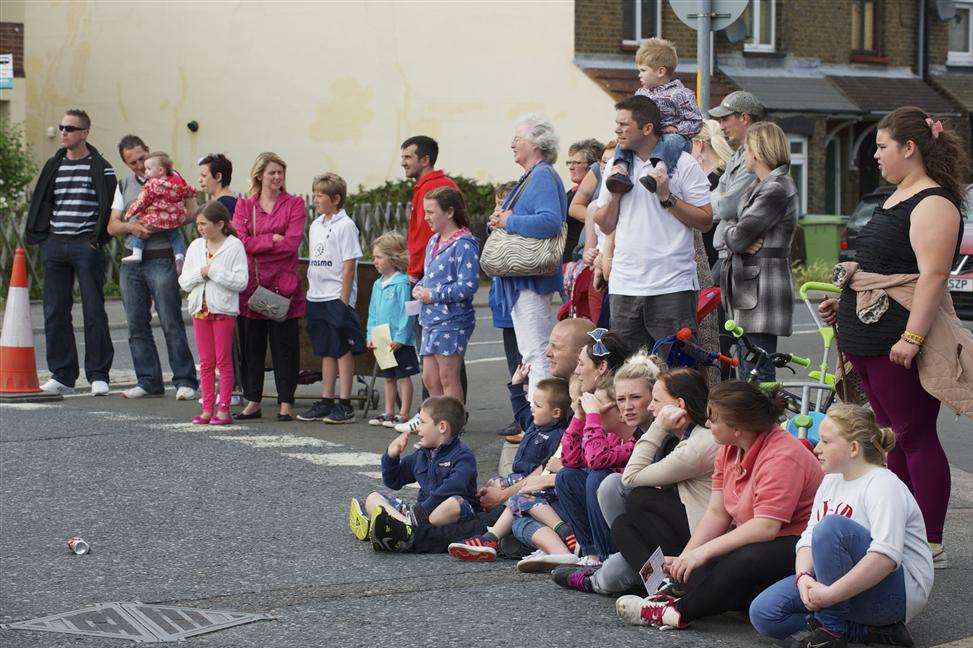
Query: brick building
827	70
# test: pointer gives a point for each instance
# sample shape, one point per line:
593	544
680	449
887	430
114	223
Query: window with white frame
961	35
798	144
641	19
759	18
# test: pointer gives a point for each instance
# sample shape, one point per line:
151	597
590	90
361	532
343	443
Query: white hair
540	133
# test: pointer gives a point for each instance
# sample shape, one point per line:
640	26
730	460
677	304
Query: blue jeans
64	259
153	281
767	342
668	150
837	544
577	492
176	241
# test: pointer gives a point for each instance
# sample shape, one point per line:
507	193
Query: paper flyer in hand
382	339
651	572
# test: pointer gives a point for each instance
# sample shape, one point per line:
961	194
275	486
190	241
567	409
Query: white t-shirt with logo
880	502
331	242
654	251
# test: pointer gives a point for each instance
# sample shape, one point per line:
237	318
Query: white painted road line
378	476
338	458
279	441
493	359
485	342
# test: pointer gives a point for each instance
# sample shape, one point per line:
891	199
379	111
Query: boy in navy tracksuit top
442	465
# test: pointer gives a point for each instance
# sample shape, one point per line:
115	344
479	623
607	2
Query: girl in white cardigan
214	274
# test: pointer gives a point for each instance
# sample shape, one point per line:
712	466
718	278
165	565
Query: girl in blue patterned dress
451	277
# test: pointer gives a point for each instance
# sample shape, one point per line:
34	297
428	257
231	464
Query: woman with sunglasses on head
764	481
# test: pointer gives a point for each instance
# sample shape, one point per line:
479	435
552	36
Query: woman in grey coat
756	282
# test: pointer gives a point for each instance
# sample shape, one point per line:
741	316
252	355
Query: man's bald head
567	338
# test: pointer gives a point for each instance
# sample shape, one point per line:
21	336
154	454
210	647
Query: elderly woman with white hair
534	208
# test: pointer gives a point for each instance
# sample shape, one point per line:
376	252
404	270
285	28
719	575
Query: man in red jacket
419	155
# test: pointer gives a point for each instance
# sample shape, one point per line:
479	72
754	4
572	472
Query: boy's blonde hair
393	245
768	144
856	423
446	408
332	185
558	391
164	160
656	53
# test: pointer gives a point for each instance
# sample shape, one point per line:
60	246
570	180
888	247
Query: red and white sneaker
479	548
642	611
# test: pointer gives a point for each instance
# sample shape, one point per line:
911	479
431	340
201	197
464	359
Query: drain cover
138	622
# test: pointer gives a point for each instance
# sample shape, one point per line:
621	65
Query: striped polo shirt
75	201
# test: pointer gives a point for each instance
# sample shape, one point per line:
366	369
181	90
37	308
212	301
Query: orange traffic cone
18	367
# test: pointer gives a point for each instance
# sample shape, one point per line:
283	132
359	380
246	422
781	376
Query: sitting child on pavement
442	465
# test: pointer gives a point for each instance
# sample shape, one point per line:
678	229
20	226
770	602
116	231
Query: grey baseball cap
738	102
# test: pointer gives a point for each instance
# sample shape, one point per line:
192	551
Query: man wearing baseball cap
736	113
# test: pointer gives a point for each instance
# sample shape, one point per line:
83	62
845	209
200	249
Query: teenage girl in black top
916	231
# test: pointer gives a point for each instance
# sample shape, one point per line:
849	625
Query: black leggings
653	518
731	582
285	351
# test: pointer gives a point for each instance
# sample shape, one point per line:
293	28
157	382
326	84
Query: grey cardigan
757	288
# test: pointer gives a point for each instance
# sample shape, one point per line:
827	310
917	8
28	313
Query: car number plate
961	285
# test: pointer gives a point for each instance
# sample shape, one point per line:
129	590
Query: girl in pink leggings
214	274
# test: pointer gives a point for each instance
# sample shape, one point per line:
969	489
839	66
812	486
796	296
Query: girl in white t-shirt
863	566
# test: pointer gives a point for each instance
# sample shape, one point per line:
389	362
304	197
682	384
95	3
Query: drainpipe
921	40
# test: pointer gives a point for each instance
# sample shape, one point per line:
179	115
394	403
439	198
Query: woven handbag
512	255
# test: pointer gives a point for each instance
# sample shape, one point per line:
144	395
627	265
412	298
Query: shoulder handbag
263	300
512	255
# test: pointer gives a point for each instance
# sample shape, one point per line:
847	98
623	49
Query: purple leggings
900	402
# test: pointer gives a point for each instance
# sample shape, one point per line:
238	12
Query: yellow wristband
913	338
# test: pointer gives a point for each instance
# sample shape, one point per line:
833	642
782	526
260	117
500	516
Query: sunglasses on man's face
67	128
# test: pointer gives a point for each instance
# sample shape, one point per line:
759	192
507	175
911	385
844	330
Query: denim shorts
524	529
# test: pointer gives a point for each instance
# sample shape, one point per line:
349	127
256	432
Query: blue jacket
540	442
441	473
387	306
538	213
453	275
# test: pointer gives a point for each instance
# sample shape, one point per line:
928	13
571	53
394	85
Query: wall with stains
328	86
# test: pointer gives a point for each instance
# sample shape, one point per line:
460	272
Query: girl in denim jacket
450	280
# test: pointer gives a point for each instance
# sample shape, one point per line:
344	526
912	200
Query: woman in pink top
764	482
270	223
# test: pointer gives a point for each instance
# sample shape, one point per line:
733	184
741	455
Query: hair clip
599	349
935	126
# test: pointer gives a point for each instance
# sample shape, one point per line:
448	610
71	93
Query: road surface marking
338	458
26	407
279	441
493	359
378	476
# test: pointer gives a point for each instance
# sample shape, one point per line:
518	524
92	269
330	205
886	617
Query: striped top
75	201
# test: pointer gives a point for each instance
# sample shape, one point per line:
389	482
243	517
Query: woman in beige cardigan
669	473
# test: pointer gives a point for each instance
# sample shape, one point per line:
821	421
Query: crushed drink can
77	545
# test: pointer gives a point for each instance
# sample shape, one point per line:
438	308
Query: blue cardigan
387	306
539	213
441	473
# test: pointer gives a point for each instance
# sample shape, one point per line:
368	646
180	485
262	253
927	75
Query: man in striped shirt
68	218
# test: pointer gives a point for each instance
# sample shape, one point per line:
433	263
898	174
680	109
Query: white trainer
185	393
541	562
54	387
138	392
409	426
99	388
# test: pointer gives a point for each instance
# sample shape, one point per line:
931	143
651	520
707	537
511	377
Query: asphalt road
252	517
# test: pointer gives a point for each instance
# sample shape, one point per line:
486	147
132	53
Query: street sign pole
703	54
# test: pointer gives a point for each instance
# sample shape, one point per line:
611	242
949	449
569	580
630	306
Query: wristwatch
668	202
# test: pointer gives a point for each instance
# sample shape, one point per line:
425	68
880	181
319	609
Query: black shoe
821	638
340	413
618	183
317	412
511	430
246	417
895	634
574	577
511	547
388	534
285	418
649	183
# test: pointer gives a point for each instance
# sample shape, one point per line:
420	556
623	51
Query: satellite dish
946	9
725	12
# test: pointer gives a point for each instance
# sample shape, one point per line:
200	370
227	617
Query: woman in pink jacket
596	444
270	223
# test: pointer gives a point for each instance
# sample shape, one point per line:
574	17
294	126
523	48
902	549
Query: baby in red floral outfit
161	204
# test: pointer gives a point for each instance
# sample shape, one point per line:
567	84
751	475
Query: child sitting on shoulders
387	306
442	465
161	204
680	121
863	566
543	421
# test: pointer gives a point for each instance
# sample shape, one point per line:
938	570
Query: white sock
134	257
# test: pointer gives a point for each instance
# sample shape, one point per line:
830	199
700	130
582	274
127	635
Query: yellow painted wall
329	86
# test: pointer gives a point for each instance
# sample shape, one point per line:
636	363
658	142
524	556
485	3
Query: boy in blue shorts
332	323
442	465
